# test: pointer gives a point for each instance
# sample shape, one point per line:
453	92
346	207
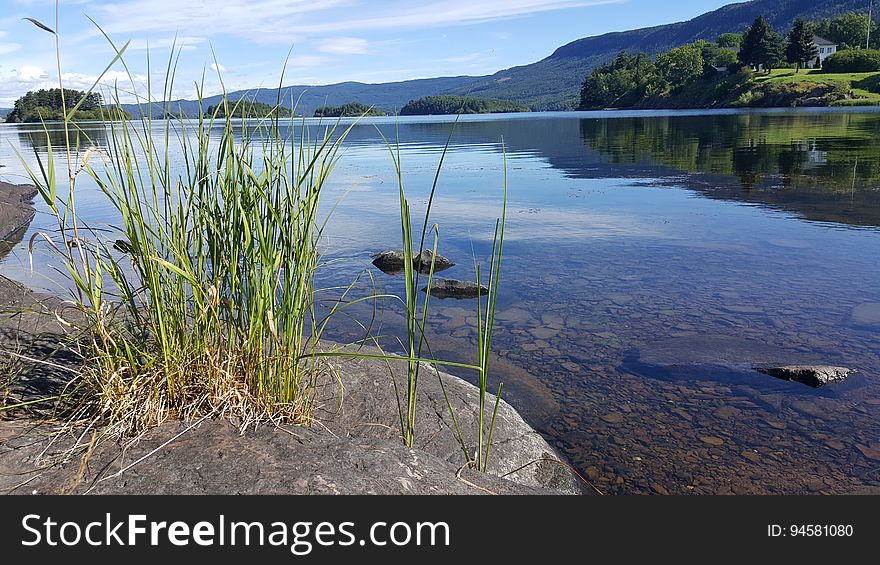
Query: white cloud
306	61
182	43
451	12
30	73
345	46
255	19
16	82
285	20
463	58
83	81
217	67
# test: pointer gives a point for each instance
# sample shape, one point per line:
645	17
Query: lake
650	260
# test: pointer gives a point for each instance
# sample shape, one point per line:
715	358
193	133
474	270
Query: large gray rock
362	404
354	447
451	288
422	262
214	457
391	262
811	375
16	213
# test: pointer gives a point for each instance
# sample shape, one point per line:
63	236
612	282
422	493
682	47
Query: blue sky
331	40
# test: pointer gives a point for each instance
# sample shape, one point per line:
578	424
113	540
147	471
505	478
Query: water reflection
636	291
36	137
820	166
831	146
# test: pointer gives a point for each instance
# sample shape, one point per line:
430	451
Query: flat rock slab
213	457
866	314
811	375
368	409
16	213
356	448
391	262
451	288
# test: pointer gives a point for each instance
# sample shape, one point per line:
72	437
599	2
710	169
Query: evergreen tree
761	45
799	47
750	47
772	51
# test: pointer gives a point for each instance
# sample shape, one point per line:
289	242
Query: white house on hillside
825	48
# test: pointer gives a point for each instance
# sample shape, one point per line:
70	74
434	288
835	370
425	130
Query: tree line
631	79
436	105
246	109
351	109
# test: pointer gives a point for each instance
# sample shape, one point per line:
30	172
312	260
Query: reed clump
203	301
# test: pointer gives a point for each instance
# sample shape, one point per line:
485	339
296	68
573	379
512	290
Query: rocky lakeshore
353	448
16	213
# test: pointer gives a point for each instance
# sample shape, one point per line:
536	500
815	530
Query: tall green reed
416	315
212	307
485	327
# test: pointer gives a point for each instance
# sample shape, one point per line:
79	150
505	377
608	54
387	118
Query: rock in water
867	314
450	288
122	246
810	375
422	262
391	262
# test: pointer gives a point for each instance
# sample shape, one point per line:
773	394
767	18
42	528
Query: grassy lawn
866	85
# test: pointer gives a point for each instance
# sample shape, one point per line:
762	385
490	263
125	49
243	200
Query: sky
321	41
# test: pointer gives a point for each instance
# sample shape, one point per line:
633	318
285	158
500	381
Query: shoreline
353	449
16	213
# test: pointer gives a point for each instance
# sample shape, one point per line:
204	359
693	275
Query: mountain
554	82
389	96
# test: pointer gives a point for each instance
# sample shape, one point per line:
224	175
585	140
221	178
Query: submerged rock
391	261
422	262
810	375
451	288
866	314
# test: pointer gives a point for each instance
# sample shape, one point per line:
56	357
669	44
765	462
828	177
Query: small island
433	105
49	106
247	109
349	110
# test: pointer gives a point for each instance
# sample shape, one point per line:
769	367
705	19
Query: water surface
651	259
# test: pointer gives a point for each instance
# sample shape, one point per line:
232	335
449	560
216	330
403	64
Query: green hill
554	82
